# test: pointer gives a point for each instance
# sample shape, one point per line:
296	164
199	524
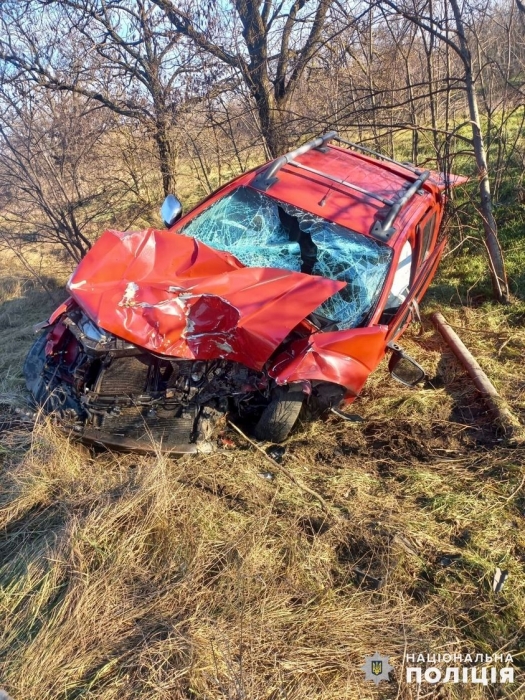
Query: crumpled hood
176	296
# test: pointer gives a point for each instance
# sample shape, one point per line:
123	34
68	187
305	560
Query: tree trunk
496	262
270	114
498	275
165	151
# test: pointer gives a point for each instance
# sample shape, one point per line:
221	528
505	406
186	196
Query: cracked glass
263	232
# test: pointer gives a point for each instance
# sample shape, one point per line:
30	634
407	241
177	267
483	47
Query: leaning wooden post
506	420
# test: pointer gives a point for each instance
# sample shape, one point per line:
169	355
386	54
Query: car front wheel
280	416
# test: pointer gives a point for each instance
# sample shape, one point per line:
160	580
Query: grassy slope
127	577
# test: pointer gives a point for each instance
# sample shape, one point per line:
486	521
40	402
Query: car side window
401	283
425	236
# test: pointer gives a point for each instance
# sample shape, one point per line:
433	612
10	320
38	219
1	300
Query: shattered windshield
263	232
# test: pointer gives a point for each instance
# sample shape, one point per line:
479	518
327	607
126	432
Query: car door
424	276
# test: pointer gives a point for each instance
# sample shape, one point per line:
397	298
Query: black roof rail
267	178
381	230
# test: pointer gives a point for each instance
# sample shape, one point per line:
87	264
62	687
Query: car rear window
264	232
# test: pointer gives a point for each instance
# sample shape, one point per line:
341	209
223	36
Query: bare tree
270	50
60	174
459	43
200	82
118	54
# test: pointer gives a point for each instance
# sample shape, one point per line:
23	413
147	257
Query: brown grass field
216	576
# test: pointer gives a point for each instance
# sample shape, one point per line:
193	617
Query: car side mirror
404	368
171	210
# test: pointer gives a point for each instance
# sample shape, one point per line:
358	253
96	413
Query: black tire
280	416
51	395
33	367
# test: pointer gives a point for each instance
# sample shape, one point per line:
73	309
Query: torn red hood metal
176	296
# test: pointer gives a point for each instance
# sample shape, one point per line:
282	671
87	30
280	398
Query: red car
283	289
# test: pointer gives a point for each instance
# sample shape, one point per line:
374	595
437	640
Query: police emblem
376	668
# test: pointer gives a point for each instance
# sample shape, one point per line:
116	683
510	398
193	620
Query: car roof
341	202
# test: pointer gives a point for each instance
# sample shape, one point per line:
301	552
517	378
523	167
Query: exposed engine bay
113	393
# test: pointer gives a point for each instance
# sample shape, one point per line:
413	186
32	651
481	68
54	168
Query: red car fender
342	357
65	306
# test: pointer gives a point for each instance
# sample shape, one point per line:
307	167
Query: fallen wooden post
499	408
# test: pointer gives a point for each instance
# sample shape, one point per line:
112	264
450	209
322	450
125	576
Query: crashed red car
284	289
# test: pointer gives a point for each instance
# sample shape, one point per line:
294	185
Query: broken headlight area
112	392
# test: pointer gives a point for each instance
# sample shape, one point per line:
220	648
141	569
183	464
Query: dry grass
125	577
